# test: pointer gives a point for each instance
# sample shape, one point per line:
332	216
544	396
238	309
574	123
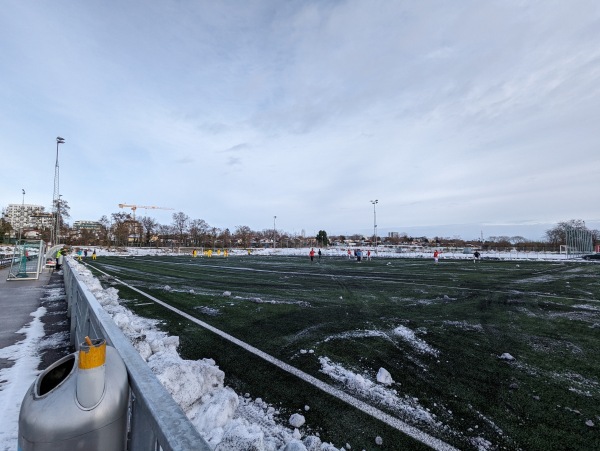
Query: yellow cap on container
92	353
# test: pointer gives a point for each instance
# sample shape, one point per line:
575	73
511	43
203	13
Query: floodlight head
60	140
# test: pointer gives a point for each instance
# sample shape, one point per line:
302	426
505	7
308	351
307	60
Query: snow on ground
420	345
16	380
365	387
341	251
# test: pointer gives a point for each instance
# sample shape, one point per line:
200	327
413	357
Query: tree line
120	229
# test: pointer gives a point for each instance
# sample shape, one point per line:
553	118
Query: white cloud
448	113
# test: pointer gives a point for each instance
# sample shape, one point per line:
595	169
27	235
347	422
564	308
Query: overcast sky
456	116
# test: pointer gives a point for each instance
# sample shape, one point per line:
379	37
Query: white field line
394	281
364	407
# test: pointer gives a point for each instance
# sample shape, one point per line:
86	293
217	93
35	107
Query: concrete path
18	300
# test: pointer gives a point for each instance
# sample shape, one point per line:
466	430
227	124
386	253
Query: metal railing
156	420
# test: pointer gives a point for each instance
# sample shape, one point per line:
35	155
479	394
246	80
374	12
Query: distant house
81	228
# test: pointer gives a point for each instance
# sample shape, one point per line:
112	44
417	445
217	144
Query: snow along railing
155	418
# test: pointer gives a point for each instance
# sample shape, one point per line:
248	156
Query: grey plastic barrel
52	418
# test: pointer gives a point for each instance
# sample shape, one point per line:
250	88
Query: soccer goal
28	260
579	242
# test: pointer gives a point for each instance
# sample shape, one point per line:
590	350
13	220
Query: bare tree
149	227
121	228
180	224
198	231
243	234
558	234
104	230
5	229
225	237
165	232
214	233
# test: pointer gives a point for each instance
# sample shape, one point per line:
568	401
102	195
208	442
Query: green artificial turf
464	315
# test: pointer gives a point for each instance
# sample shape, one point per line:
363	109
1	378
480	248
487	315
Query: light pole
22	214
274	231
59	204
55	197
374	202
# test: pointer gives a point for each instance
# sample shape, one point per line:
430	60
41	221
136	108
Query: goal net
27	261
579	242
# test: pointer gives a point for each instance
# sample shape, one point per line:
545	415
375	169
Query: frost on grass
257	300
464	325
208	310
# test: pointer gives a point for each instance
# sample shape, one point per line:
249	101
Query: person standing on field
320	254
436	256
312	255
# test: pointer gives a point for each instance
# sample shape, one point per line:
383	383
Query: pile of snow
506	356
228	421
384	377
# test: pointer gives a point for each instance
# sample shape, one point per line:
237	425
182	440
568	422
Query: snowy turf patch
228	421
464	325
208	310
401	332
363	385
420	345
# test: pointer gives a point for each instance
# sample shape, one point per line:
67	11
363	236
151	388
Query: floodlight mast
22	215
56	197
374	202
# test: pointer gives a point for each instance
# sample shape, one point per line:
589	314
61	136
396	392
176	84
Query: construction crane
147	207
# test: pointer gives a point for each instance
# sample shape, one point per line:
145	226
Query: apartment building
27	216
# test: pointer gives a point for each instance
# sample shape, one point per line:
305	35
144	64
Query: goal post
27	261
579	242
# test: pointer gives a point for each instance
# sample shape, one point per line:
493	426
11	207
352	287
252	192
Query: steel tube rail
156	420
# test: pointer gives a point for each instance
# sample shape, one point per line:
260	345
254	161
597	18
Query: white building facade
27	216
